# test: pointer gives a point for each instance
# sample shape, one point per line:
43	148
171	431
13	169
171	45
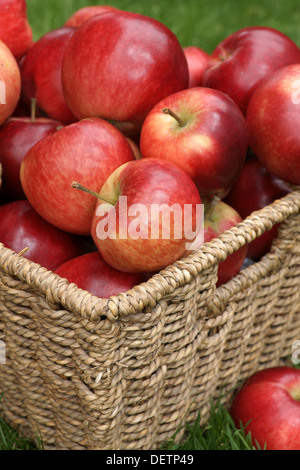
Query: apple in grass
10	83
254	189
15	31
245	58
88	150
141	62
17	136
197	60
83	14
148	215
268	406
41	74
202	131
91	273
21	227
273	120
219	217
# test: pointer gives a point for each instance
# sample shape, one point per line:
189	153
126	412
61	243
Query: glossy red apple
197	60
118	65
41	74
17	136
83	14
201	130
91	273
268	406
254	189
22	227
219	217
273	119
23	109
15	31
87	151
10	83
244	59
153	216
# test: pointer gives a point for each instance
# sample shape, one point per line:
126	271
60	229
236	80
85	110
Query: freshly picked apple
197	60
22	228
118	65
10	83
91	273
148	215
83	14
268	406
41	74
240	63
17	136
254	189
219	217
202	131
89	151
15	31
274	137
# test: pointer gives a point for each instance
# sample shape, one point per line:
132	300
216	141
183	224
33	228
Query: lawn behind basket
195	22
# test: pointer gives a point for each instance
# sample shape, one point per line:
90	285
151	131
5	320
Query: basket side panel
21	381
284	327
56	342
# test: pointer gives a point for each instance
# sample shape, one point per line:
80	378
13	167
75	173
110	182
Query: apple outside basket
127	372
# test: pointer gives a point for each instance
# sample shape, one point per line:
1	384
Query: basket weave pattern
127	372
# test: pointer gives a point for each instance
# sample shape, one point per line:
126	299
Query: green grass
219	433
195	22
11	440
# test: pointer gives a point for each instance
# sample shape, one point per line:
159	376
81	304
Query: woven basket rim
149	293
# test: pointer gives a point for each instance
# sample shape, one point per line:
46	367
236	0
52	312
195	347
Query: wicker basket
127	372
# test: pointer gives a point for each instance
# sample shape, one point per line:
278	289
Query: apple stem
79	186
169	111
33	109
212	204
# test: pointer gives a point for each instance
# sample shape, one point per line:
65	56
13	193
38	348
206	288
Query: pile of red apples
110	104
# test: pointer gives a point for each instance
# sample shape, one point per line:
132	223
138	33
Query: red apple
87	151
15	30
83	14
273	119
22	227
23	109
10	83
41	74
244	59
201	130
118	65
219	217
153	215
254	189
17	136
91	273
268	406
197	60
